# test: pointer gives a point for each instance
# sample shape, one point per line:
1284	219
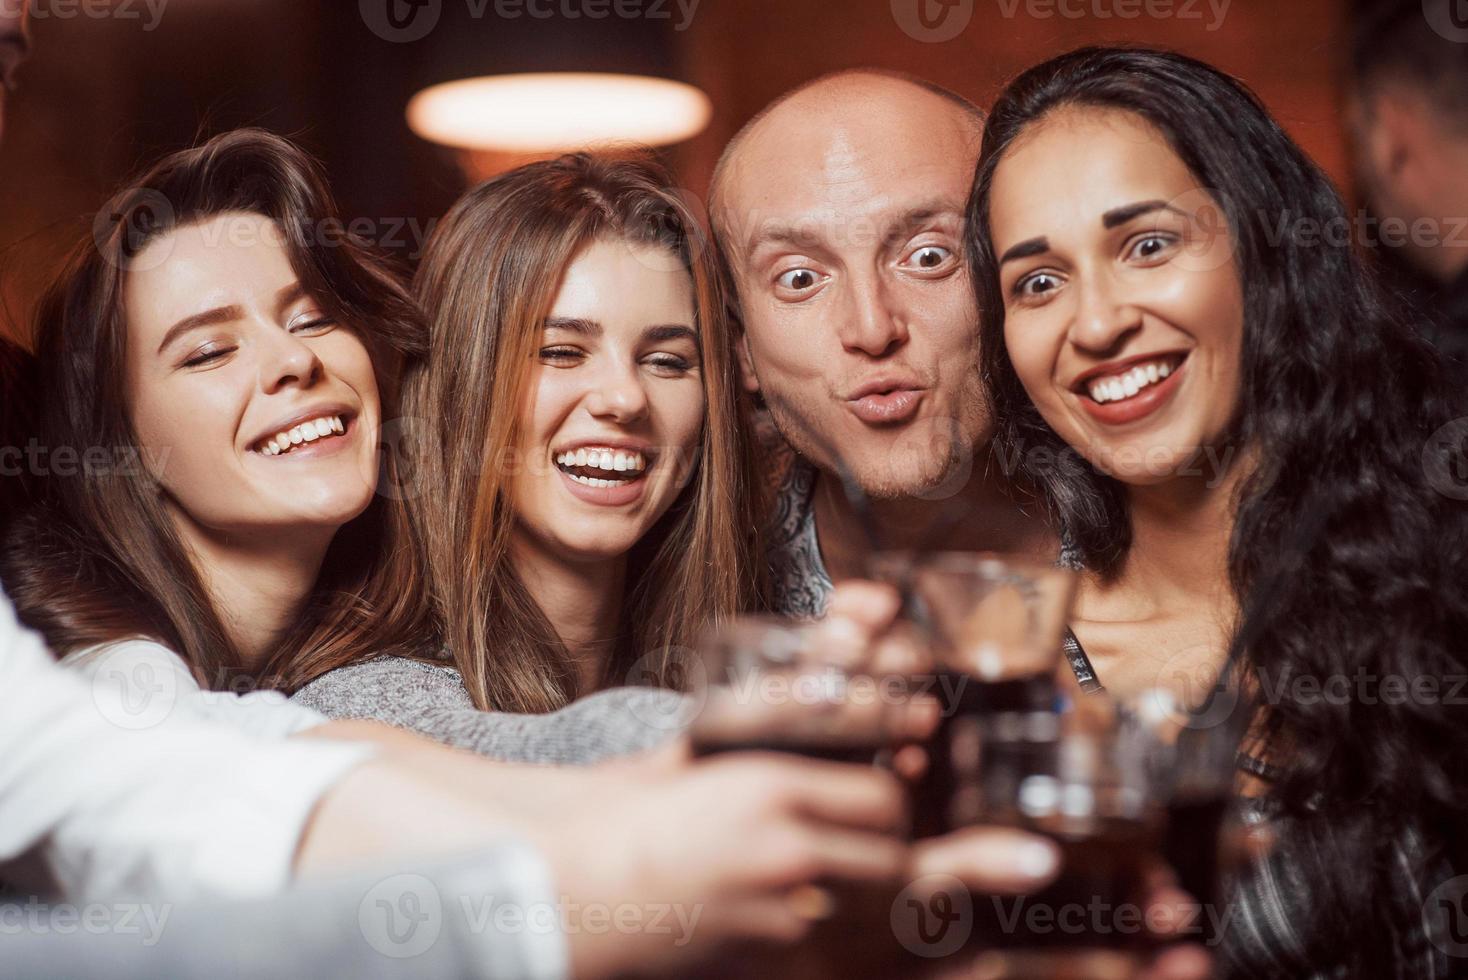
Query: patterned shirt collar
800	587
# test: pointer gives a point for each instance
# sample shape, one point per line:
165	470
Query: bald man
839	214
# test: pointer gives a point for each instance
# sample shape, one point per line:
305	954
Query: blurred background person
1407	108
14	45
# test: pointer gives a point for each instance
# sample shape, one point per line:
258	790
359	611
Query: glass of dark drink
766	684
772	684
1125	791
994	627
1128	793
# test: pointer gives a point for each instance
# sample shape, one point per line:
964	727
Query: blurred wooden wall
102	97
745	53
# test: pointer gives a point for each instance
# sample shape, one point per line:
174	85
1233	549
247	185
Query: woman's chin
577	539
1146	465
327	511
596	549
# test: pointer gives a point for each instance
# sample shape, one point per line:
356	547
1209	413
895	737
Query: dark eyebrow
209	318
1125	213
670	331
1111	219
574	324
1032	246
590	328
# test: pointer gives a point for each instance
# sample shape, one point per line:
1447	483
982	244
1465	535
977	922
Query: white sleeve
152	683
177	808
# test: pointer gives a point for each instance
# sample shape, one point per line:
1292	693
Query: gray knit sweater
430	699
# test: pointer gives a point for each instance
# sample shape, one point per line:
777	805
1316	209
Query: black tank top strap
1080	664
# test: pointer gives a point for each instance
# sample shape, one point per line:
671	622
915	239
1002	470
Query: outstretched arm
431	701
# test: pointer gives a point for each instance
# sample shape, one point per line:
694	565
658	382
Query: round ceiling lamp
558	111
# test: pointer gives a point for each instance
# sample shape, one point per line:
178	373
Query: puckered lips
323	430
886	400
605	472
1124	391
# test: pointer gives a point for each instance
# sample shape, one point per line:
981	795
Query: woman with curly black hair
1245	444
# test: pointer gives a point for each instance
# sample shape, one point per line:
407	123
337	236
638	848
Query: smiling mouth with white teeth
312	430
1134	380
597	467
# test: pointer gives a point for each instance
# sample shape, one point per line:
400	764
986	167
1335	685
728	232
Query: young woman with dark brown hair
217	368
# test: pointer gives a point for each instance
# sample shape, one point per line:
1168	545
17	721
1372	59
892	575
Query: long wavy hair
487	283
1344	556
97	559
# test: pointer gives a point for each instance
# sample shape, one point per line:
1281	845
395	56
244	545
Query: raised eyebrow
208	318
906	223
1026	249
1129	212
574	324
772	236
1110	219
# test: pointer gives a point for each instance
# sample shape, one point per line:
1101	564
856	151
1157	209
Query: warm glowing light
557	111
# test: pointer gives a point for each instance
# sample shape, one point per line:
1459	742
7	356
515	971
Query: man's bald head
860	97
839	215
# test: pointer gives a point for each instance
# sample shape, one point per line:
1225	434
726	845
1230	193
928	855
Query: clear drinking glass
994	626
993	617
772	684
1125	792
